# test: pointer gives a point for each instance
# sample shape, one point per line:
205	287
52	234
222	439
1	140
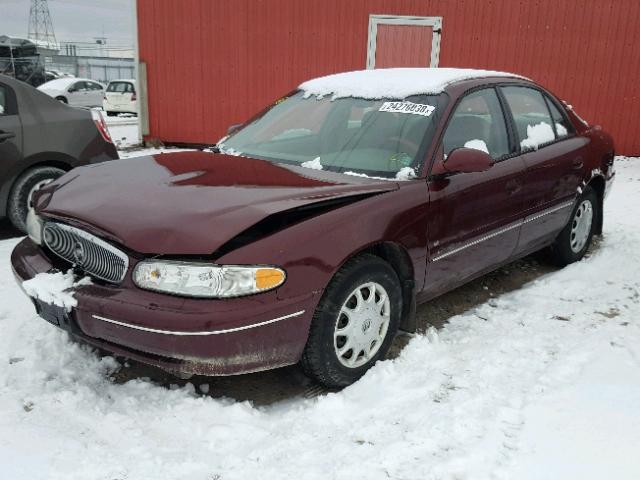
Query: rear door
474	218
554	158
10	133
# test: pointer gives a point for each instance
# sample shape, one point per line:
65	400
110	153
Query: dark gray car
40	139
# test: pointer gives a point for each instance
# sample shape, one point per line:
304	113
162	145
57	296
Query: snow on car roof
392	82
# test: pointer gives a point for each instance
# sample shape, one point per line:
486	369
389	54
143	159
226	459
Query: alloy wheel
362	325
581	226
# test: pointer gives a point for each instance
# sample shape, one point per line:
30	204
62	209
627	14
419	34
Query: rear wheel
575	239
22	192
354	323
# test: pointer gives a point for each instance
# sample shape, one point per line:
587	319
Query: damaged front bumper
181	335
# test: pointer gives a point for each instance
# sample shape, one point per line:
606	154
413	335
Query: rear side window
478	123
562	125
531	116
3	100
120	87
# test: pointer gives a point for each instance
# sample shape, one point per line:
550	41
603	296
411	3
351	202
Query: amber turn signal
268	278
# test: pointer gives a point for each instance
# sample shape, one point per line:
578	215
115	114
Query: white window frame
434	22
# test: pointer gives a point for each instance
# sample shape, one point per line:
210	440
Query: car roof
394	83
61	83
130	80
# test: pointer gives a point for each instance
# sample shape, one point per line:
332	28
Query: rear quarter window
562	125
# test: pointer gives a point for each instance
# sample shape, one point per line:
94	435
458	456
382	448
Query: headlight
206	280
34	227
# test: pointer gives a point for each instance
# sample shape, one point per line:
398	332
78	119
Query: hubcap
581	226
35	188
362	325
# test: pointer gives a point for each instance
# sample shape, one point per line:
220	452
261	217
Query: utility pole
40	25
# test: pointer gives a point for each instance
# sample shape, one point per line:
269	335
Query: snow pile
477	145
55	288
312	164
395	83
542	382
406	173
537	135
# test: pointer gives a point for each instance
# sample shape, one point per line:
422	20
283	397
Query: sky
75	20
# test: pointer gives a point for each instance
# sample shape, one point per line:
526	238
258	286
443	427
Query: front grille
91	254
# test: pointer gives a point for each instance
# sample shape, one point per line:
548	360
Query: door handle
6	136
577	163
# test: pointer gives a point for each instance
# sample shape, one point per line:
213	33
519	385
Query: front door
403	41
474	218
10	132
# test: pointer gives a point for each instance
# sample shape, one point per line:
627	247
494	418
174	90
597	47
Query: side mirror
234	128
467	160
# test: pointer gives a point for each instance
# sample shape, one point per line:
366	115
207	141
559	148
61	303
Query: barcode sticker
407	107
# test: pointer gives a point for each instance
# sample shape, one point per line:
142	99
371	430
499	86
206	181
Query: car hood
189	202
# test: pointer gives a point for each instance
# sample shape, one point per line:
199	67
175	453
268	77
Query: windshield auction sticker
407	107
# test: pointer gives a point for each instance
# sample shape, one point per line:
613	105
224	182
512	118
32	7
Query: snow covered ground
543	382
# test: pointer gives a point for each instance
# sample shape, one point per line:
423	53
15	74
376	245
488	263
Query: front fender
312	251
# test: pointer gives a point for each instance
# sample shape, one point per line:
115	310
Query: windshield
349	135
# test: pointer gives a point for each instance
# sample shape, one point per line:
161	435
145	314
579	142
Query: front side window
78	87
531	116
478	122
3	100
355	135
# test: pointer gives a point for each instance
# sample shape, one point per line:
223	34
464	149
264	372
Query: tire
23	188
321	359
62	100
574	240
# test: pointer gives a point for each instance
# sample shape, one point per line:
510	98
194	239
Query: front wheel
354	323
62	100
575	239
22	192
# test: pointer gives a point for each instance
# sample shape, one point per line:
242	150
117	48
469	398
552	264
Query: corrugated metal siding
403	46
214	63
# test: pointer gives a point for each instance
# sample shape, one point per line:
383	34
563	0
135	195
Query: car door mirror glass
467	160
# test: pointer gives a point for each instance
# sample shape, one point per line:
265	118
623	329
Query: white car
78	92
120	97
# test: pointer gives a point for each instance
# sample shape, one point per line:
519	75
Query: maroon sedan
311	232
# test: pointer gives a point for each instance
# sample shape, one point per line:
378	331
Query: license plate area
56	315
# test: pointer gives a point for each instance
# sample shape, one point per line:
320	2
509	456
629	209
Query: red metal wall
212	63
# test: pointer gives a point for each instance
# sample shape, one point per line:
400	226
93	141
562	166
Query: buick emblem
78	253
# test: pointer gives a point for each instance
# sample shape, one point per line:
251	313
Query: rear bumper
181	335
123	108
